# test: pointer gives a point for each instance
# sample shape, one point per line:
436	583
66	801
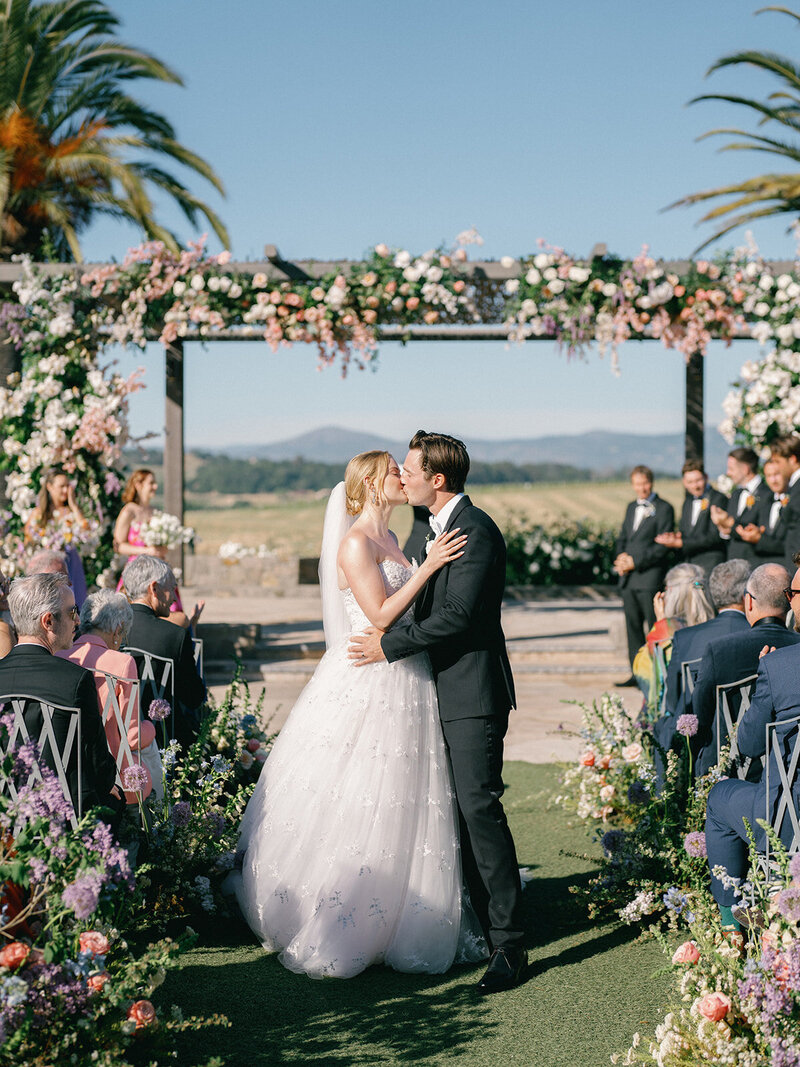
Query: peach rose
95	982
224	257
142	1013
604	763
14	954
688	952
382	251
606	812
714	1006
93	942
431	317
412	303
587	759
607	792
370	316
459	286
632	752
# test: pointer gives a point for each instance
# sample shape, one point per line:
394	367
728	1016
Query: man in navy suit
731	801
641	561
742	507
729	659
726	586
698	539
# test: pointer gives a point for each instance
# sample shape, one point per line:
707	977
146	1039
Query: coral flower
686	953
142	1013
714	1006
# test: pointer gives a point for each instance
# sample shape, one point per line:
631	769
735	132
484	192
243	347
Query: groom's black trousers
488	856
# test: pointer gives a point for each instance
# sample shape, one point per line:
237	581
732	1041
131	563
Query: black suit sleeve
189	688
791	526
99	768
704	699
465	588
651	554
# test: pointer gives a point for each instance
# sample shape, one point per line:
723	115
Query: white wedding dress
352	854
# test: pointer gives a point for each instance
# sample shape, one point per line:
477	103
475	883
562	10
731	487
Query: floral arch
65	408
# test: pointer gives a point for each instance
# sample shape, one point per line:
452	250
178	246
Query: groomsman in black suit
698	538
775	530
641	561
742	508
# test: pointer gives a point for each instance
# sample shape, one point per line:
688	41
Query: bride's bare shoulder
356	547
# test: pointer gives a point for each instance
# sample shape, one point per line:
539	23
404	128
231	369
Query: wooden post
173	439
694	407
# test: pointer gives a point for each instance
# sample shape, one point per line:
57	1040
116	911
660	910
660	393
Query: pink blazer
91	652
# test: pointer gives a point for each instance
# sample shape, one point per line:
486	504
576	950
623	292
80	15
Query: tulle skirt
352	854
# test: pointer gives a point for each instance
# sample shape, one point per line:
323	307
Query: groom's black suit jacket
457	622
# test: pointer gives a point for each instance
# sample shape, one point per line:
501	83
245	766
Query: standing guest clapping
698	539
641	561
742	507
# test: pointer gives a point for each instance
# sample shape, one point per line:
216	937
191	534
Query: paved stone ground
562	652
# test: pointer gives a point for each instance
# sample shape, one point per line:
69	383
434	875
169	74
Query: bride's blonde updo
366	465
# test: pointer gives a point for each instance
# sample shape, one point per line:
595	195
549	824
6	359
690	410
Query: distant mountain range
602	451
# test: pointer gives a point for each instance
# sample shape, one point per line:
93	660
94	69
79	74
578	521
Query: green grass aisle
589	989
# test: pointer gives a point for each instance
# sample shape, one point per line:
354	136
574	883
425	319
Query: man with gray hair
150	586
729	659
47	561
43	612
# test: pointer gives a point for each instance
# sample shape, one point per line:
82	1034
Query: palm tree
767	194
69	131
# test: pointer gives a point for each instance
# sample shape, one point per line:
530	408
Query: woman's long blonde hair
365	472
685	595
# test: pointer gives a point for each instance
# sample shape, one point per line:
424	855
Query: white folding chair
197	651
57	759
726	720
783	742
689	671
124	709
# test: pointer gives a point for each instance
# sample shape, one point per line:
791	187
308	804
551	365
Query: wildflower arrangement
163	530
735	1004
566	552
232	552
72	989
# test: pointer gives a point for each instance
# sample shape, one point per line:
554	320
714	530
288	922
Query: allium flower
159	710
612	841
794	866
181	813
687	725
135	778
788	903
638	793
695	845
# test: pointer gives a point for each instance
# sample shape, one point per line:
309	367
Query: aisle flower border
64	321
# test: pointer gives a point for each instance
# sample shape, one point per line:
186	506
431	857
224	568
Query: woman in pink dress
106	618
136	511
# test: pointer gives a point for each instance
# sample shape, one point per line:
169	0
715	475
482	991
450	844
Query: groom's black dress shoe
507	967
629	683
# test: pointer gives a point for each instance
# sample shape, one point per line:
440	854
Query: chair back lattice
783	742
157	678
727	717
197	651
690	668
121	702
55	757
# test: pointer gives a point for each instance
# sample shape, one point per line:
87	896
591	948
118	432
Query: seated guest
742	506
726	585
767	533
731	801
43	610
106	618
47	561
150	586
698	539
729	659
683	603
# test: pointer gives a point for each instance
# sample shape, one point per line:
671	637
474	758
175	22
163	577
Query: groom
457	622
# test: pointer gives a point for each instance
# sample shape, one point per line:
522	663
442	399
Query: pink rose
14	954
382	251
587	759
714	1006
412	303
93	942
223	258
631	753
688	952
142	1013
253	744
95	982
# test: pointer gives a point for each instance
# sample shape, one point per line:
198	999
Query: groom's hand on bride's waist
366	648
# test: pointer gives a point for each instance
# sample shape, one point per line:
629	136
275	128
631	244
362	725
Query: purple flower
695	845
612	841
135	779
216	824
687	725
181	812
83	895
159	710
638	793
794	866
788	903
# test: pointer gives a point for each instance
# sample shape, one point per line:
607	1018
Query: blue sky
336	126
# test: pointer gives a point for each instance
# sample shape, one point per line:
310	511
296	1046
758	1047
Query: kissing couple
376	833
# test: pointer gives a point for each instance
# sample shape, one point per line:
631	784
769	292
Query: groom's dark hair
442	454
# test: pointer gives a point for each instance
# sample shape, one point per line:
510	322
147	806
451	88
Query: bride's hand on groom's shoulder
366	648
445	548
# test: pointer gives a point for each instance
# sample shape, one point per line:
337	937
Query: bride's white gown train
352	853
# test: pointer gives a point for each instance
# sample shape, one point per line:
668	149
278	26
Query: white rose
783	281
766	281
578	274
542	260
179	288
761	308
557	285
235	291
511	286
382	251
507	262
632	752
402	260
411	274
197	282
549	272
434	274
609	289
533	276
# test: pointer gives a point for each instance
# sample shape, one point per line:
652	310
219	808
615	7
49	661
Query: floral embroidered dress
135	538
62	533
350	838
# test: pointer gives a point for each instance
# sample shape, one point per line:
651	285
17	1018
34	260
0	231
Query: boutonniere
649	510
750	501
704	504
784	500
429	541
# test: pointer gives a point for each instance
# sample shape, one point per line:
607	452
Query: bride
350	840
